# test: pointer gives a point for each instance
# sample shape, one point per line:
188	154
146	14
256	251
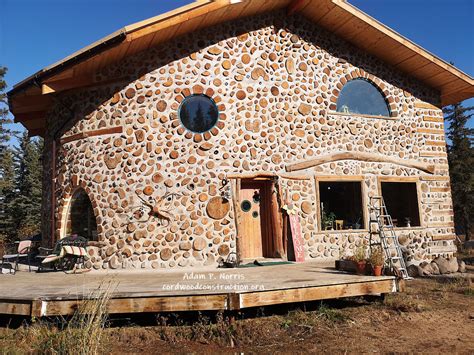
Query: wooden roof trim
173	18
123	32
349	23
318	10
406	42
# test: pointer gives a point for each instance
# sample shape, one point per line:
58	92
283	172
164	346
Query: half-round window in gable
198	113
359	96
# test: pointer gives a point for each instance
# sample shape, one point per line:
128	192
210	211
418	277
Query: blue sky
36	33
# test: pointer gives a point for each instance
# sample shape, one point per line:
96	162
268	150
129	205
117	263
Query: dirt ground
430	316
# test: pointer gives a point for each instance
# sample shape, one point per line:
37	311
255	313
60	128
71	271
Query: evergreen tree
27	202
5	133
211	116
7	169
198	120
7	193
461	166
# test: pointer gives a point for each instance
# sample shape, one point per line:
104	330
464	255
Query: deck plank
185	290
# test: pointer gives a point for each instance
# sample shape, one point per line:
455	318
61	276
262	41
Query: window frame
415	180
199	95
376	87
341	178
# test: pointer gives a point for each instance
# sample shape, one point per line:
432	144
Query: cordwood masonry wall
275	79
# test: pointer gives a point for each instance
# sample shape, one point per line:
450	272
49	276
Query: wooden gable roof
30	99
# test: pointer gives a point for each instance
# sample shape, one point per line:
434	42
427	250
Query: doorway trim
64	205
275	211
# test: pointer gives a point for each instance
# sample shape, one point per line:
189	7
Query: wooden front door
258	230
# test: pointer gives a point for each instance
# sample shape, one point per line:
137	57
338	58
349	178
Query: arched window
198	113
81	218
361	96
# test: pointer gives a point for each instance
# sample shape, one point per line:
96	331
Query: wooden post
235	204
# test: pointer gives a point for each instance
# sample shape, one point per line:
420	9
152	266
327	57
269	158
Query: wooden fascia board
456	97
173	18
170	14
79	82
29	116
406	42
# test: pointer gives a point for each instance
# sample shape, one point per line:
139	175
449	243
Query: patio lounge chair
66	254
20	250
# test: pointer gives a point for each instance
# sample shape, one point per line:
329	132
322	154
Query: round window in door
245	205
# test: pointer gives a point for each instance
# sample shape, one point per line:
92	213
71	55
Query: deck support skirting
45	307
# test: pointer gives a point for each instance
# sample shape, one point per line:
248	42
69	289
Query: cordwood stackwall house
193	135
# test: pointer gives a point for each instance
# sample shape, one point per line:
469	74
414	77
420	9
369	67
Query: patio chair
19	250
66	254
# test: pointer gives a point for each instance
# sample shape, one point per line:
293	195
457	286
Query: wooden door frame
275	217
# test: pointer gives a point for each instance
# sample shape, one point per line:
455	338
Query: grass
223	330
204	330
403	303
82	334
332	315
260	329
456	285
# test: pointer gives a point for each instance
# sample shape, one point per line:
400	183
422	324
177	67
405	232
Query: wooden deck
51	294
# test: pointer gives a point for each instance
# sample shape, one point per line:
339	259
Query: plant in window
327	219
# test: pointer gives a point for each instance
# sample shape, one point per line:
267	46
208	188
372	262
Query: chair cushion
51	258
74	250
14	256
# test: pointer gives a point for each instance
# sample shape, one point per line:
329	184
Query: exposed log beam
99	132
51	87
266	175
369	157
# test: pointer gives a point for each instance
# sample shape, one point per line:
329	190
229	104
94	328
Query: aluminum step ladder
379	215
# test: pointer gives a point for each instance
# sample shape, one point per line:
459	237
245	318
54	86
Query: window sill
361	115
339	231
408	228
